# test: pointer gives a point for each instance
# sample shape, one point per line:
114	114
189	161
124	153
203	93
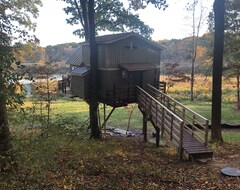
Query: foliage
196	25
28	52
46	88
232	41
178	51
136	4
15	23
109	15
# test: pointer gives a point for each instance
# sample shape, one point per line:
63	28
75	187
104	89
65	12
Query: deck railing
196	124
168	122
63	84
117	94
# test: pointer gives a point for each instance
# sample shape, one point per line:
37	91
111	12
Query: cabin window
131	46
73	67
124	74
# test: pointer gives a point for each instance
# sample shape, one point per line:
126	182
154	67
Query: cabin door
137	79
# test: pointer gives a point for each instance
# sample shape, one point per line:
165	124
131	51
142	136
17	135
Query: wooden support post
105	121
157	136
193	123
183	115
62	86
206	134
171	132
104	118
144	127
162	124
181	141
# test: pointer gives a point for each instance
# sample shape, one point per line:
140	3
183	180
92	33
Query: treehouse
128	72
125	61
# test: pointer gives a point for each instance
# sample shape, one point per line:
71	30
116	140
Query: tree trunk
86	19
4	130
219	9
95	129
238	92
192	81
5	141
193	51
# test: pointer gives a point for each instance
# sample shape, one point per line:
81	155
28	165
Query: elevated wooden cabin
124	61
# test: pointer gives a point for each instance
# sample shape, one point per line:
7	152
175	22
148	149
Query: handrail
189	116
63	84
162	117
179	103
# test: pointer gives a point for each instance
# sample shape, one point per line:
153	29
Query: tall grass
203	97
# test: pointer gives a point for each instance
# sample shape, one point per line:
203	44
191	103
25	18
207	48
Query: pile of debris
113	131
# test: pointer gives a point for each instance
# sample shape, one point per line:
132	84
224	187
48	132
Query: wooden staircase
187	129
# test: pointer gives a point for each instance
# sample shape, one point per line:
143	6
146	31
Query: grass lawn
78	109
229	113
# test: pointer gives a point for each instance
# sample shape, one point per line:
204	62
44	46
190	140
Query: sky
52	28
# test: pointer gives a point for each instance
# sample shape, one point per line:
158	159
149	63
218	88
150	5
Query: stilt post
144	127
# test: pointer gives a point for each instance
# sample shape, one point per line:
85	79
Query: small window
131	46
124	74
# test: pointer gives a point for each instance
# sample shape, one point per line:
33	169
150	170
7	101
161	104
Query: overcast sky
172	23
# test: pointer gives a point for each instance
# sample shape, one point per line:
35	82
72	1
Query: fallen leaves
124	163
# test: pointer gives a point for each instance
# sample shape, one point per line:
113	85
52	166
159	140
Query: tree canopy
15	24
110	15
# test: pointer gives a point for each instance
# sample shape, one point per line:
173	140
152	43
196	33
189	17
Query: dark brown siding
130	50
86	55
80	86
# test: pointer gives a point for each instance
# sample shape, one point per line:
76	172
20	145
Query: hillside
177	51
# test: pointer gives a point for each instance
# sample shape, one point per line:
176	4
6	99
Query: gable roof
77	58
81	71
111	38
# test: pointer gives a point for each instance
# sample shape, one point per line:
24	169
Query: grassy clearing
77	111
202	89
231	136
78	108
229	113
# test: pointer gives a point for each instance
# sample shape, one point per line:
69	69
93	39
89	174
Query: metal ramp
187	129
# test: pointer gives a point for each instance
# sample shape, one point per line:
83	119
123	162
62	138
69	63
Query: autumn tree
15	22
232	43
197	19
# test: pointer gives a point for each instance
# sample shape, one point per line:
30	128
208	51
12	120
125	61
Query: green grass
76	111
231	136
229	113
79	109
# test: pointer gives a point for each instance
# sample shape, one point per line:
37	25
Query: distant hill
177	51
61	52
